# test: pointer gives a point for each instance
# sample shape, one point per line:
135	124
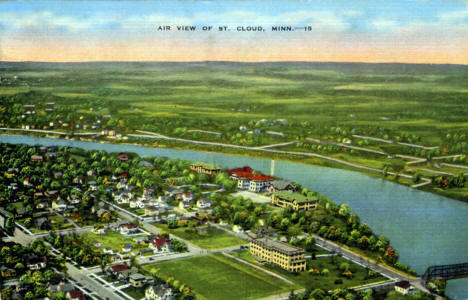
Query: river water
426	229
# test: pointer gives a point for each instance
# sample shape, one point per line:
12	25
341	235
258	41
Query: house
37	263
65	287
243	128
116	269
103	214
12	172
203	203
280	185
78	180
127	248
58	175
184	204
137	204
13	186
206	168
128	228
75	295
90	173
37	158
403	287
187	197
295	200
151	211
26	182
7	272
43	223
122	197
137	280
74	199
43	205
122	156
160	245
159	292
108	251
122	185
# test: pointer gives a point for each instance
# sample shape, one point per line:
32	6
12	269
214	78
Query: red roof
246	173
123	156
124	174
244	169
160	242
76	294
118	268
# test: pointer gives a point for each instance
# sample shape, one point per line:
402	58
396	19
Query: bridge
446	272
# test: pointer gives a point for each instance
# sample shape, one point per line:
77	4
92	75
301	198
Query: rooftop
278	245
288	196
207	166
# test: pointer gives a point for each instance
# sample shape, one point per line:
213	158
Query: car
151	258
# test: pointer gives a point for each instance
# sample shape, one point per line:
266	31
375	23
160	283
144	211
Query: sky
345	31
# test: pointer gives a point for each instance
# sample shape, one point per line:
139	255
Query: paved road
81	276
347	146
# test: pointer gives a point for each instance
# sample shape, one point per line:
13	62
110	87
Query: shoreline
296	158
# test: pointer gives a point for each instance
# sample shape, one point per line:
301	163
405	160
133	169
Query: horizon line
230	61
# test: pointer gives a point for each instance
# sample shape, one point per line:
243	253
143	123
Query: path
347	146
260	269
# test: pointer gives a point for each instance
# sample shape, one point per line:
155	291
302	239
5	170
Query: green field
218	277
212	239
114	240
419	104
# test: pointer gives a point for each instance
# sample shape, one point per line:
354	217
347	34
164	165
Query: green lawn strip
305	279
219	277
115	240
213	239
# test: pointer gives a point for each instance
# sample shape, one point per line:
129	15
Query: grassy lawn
218	277
213	239
136	293
114	240
315	281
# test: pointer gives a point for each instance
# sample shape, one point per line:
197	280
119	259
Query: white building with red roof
248	180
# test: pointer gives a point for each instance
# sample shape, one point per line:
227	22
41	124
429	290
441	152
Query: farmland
254	105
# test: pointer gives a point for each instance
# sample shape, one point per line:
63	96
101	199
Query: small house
403	287
137	280
37	263
204	203
159	292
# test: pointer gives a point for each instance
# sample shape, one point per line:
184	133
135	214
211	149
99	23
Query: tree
344	267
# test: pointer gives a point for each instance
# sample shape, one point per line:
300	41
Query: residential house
75	295
204	203
151	211
103	214
137	280
7	272
108	251
160	245
115	270
123	197
275	133
43	205
128	228
43	223
159	292
65	287
280	185
78	180
37	263
187	197
403	287
37	158
122	156
127	248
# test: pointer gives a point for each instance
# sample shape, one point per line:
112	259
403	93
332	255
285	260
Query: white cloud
384	24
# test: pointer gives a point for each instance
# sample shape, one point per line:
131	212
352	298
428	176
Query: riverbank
460	194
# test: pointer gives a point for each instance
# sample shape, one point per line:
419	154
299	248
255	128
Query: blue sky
374	25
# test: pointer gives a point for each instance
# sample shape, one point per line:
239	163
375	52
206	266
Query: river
426	229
